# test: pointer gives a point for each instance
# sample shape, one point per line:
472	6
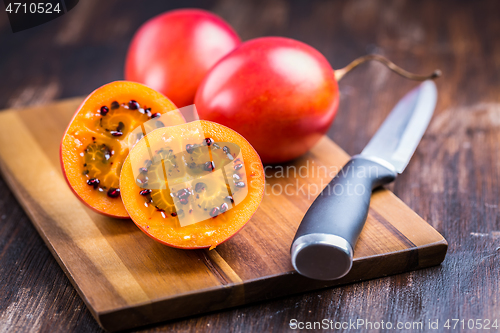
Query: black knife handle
323	245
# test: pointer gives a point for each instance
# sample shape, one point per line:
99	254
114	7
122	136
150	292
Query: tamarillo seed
209	141
106	151
224	207
226	149
143	170
93	182
238	166
236	176
104	110
115	105
183	201
209	166
239	184
190	148
120	126
199	187
156	115
133	105
174	214
116	133
113	192
230	198
214	211
142	179
183	194
145	192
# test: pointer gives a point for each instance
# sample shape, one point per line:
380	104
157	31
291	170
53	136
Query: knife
323	245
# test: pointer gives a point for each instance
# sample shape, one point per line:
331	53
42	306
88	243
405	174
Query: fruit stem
339	73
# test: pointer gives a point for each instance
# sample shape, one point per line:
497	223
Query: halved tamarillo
95	144
193	185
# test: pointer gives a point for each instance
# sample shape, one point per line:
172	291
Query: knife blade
323	245
398	137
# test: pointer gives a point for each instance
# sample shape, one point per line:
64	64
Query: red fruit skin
172	52
279	93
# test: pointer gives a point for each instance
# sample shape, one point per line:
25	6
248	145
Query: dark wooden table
453	181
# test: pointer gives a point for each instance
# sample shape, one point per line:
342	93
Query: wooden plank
127	280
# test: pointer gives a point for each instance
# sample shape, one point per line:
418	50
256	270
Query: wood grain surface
453	180
128	280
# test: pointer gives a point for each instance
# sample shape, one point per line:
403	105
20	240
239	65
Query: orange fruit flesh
95	144
179	198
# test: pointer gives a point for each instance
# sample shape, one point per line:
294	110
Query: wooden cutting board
128	280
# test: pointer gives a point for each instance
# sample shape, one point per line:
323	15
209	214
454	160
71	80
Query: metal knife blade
398	137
